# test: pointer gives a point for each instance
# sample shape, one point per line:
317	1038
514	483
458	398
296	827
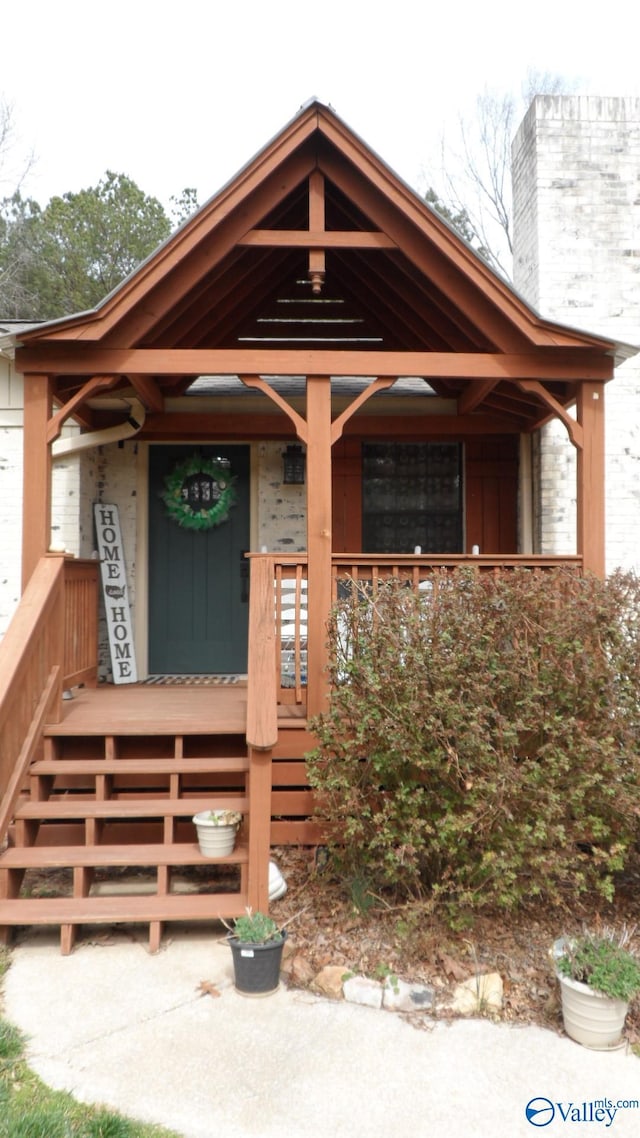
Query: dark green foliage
482	748
67	257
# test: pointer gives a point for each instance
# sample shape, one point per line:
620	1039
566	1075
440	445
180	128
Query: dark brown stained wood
491	494
347	495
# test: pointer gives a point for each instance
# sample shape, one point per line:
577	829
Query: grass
29	1109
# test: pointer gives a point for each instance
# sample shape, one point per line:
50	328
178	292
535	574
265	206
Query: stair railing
51	642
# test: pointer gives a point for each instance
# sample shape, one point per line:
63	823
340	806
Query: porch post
318	538
36	473
590	490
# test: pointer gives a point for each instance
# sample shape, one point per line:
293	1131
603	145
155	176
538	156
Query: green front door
198	578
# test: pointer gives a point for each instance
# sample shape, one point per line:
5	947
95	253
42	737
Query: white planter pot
592	1019
214	840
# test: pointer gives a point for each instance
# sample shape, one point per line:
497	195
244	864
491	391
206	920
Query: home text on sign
115	593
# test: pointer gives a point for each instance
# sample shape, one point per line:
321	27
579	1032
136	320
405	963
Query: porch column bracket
91	387
574	429
261	384
379	384
148	392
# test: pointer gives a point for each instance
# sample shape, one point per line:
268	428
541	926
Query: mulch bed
327	928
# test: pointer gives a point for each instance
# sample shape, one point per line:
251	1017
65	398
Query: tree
459	221
476	169
183	205
15	163
68	256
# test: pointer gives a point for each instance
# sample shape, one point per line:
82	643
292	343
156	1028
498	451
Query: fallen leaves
208	988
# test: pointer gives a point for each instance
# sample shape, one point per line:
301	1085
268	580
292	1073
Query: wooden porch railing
80	622
419	569
51	643
289	576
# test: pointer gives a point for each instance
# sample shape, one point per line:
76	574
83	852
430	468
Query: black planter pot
257	966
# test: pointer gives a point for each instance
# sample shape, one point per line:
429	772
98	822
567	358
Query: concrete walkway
114	1025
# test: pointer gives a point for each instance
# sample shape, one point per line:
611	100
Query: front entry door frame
141	583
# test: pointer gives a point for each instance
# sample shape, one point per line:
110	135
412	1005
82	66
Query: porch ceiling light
293	465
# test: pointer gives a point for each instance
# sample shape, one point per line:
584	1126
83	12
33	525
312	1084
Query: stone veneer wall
576	175
282	509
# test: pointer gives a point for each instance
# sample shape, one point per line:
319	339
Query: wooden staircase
114	811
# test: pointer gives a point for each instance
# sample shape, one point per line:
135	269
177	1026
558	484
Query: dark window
411	495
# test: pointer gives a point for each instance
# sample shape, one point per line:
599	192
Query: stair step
62	857
65	806
140	766
115	909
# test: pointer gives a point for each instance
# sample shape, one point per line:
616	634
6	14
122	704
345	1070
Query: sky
184	94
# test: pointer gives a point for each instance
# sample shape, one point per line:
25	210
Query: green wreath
199	502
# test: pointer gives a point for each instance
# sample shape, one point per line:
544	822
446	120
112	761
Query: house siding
576	192
10	489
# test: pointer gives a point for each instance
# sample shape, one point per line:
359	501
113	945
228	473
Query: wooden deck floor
136	709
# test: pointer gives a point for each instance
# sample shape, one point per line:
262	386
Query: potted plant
256	943
598	977
217	831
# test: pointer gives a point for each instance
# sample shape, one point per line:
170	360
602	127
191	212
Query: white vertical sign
115	593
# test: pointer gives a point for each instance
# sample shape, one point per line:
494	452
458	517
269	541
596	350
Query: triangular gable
317	256
317	139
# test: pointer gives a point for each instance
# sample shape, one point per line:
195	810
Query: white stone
399	996
362	990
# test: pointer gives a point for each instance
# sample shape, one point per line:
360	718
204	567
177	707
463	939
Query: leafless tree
15	161
476	167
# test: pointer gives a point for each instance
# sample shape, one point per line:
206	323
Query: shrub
481	745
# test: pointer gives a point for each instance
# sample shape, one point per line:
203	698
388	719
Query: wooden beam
318	540
544	364
36	495
97	383
318	239
590	476
240	426
317	224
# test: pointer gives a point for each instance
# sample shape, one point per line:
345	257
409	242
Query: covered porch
314	301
